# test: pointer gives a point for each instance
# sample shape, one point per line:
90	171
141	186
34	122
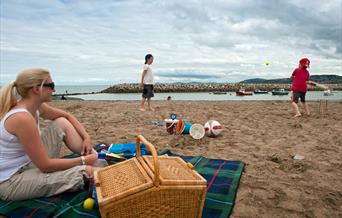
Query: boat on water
328	92
219	93
280	92
242	92
258	91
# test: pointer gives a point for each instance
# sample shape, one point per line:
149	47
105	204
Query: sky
86	42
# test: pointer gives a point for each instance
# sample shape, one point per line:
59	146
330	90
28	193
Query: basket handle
151	148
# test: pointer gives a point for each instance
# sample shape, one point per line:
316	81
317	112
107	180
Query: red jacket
301	76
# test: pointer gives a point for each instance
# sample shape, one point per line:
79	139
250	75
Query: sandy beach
262	134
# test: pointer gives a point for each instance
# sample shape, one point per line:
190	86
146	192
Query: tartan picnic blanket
223	178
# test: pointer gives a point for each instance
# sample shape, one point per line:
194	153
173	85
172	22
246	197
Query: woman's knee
62	123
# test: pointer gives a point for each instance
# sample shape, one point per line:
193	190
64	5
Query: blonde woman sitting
30	166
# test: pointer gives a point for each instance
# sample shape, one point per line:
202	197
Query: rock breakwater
224	87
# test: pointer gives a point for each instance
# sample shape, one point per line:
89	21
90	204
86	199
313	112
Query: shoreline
197	96
311	96
197	101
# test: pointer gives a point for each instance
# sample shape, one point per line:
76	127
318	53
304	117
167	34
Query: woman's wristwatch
83	160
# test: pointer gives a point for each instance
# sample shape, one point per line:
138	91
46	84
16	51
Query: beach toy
157	123
124	150
171	125
212	128
89	204
197	131
173	116
183	127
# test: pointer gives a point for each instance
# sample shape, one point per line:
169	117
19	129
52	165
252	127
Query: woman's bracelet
83	160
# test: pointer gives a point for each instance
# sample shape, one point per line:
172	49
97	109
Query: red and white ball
212	128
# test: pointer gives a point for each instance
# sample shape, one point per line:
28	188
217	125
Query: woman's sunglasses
50	85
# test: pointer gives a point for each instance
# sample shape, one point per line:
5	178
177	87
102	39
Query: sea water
60	89
188	96
185	96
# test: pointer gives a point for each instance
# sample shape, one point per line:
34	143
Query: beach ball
212	128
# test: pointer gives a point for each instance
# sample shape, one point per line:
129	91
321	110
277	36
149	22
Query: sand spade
197	131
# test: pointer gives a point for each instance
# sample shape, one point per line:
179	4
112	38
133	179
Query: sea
188	96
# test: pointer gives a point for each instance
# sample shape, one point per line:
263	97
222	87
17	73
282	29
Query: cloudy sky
104	42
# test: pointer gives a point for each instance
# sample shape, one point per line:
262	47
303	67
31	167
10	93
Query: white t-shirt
149	78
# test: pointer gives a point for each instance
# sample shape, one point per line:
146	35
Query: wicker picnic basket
150	186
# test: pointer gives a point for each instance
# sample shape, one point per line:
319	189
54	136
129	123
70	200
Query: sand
262	134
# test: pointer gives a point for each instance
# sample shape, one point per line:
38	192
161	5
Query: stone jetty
224	87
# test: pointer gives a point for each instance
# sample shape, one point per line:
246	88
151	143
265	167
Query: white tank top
12	154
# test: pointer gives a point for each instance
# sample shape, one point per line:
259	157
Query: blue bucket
183	127
187	126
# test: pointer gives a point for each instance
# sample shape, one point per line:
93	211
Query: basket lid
175	171
120	180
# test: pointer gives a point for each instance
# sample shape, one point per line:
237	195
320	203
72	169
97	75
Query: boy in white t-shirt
147	83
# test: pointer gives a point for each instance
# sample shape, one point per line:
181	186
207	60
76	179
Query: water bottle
94	196
101	162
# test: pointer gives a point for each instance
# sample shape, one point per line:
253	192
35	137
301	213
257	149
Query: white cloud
106	41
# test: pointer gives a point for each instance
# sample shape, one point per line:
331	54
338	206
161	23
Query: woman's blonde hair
24	82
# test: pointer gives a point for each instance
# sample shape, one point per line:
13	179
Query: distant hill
325	79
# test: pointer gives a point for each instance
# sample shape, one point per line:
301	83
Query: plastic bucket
183	127
197	131
171	126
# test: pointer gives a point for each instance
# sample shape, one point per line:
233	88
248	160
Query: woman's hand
87	147
91	159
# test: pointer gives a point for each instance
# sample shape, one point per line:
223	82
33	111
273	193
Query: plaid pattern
223	178
63	205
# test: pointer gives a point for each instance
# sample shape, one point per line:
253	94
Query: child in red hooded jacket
299	88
